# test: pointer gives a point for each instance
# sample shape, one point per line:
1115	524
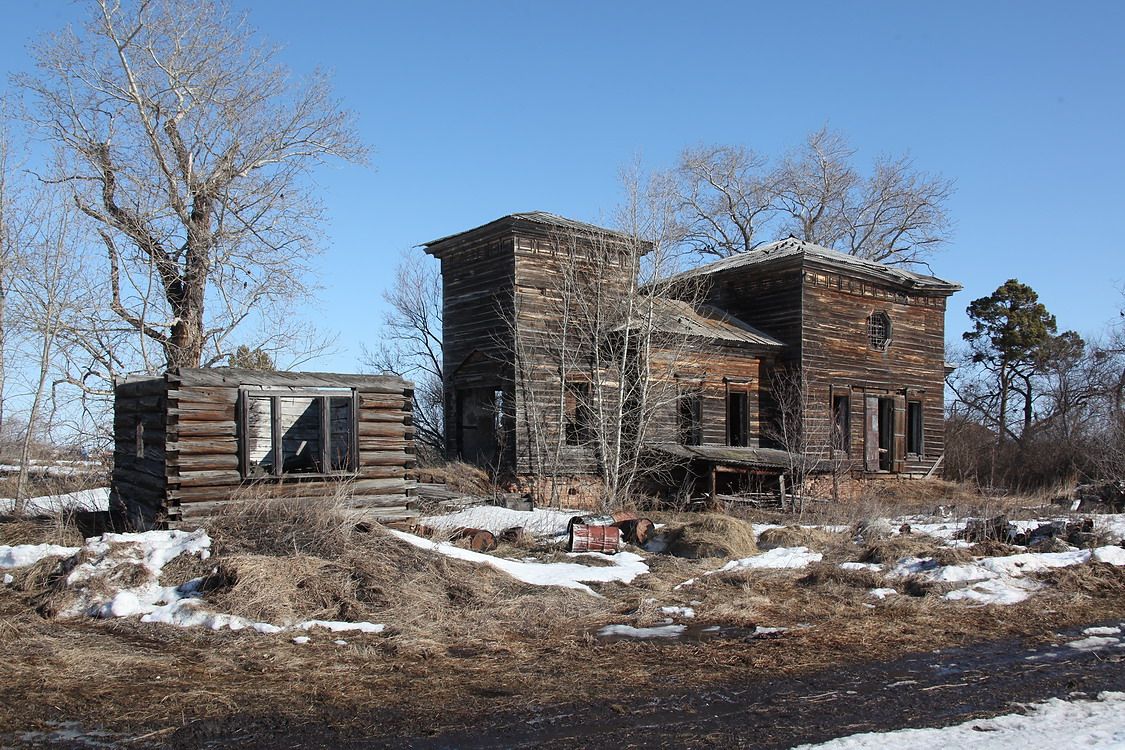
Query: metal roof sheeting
704	321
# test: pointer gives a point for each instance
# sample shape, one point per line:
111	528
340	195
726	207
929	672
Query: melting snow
1000	580
21	555
685	612
95	499
628	631
882	593
626	565
874	567
776	559
539	522
1044	726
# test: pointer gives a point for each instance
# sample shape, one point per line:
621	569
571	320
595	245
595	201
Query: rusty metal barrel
480	540
591	538
637	530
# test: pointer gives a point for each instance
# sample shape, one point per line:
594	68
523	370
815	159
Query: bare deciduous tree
732	201
410	343
188	146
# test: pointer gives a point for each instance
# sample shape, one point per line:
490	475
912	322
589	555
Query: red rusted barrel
480	540
637	531
621	516
587	538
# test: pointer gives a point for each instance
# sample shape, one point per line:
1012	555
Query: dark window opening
690	419
841	423
879	331
738	418
140	438
291	433
914	427
579	414
886	434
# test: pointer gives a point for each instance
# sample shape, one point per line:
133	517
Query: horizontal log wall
198	467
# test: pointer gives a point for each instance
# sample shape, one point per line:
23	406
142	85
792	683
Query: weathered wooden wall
139	484
838	357
199	469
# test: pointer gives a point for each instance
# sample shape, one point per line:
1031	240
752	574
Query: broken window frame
842	421
274	396
689	418
879	331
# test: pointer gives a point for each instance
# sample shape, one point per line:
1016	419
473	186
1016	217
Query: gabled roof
705	321
528	219
823	256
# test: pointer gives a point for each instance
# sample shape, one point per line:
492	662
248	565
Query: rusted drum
480	540
637	531
586	538
621	516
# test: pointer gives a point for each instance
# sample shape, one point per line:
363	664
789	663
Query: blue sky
475	110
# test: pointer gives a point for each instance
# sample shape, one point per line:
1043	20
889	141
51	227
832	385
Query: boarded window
290	433
690	419
738	418
579	415
879	331
914	427
841	423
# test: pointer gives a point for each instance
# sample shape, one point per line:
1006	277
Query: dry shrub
60	530
458	476
38	576
250	525
892	549
712	535
797	536
994	548
827	574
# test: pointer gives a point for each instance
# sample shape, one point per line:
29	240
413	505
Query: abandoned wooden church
864	341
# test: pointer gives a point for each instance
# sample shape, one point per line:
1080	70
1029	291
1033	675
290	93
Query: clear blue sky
479	109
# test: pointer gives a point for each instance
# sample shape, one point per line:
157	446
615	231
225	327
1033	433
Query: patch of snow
759	630
340	627
1112	524
340	642
93	499
685	612
777	558
625	565
1000	580
301	639
22	555
874	567
882	593
1052	724
1102	631
1093	643
628	631
540	522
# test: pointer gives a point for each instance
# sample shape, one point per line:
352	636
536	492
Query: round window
879	331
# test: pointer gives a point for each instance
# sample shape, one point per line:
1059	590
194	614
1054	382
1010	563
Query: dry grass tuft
993	548
50	531
892	549
1093	580
460	477
712	535
828	574
818	540
255	526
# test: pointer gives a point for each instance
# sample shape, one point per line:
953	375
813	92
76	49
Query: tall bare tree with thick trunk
188	146
733	200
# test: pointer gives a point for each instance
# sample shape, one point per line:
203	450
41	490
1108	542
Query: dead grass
890	550
711	535
59	531
832	544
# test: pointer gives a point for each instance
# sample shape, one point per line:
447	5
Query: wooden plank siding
838	356
196	451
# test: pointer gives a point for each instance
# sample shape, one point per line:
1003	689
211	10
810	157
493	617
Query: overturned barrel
589	538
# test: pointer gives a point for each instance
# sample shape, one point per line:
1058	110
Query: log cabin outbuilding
193	440
866	341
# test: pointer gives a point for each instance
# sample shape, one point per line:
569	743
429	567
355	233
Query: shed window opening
295	434
879	331
690	419
841	423
914	427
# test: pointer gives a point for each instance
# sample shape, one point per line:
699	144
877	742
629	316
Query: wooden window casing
579	414
738	415
879	331
328	460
